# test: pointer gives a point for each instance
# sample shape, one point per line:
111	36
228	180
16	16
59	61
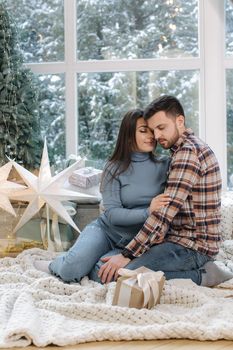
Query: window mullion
70	77
138	65
214	79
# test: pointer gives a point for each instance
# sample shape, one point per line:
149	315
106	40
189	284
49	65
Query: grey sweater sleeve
114	210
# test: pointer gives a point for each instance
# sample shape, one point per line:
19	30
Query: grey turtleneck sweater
127	197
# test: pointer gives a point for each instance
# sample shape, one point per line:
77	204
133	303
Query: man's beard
172	141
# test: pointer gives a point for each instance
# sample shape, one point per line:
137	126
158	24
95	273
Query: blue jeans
83	258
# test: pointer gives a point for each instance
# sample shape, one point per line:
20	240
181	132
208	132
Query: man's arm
184	173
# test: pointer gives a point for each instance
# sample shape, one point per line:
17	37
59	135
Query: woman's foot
42	265
213	275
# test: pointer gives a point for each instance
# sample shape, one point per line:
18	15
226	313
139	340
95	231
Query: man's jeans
83	258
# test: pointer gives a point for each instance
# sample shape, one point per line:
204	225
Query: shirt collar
181	140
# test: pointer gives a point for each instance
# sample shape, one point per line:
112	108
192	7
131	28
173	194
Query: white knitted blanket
36	308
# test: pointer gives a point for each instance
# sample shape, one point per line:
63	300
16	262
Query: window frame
211	64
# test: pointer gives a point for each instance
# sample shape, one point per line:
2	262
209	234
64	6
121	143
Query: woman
132	181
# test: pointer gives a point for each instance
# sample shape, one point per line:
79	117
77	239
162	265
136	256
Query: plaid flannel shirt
192	218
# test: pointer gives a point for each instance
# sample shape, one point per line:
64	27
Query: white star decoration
6	188
45	189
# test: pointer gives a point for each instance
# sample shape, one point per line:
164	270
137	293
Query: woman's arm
114	209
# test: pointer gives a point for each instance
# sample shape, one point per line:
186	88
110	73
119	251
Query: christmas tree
19	123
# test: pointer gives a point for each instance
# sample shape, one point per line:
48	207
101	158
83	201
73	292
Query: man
182	238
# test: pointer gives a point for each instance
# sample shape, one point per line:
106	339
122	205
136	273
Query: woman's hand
159	201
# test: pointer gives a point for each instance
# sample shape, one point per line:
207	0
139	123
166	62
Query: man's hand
109	270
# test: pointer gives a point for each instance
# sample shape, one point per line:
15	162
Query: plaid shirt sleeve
184	174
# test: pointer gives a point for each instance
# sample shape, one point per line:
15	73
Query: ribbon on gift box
148	282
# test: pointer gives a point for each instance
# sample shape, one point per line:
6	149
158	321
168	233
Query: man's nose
156	134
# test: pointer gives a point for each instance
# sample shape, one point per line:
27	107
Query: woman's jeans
83	258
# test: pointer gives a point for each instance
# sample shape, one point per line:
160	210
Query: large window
96	59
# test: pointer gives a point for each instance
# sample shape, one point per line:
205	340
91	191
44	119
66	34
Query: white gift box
85	177
140	288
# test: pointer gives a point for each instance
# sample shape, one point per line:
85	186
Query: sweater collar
139	156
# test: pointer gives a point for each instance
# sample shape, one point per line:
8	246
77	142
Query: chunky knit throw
37	308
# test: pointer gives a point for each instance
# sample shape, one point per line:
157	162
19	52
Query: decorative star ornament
6	188
45	188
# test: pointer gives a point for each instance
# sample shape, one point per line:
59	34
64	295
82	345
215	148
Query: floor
169	344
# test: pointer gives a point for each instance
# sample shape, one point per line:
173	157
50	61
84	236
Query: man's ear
180	121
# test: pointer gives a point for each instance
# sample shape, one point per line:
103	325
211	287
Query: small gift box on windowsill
140	288
85	177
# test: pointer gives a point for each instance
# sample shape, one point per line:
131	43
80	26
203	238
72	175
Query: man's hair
169	104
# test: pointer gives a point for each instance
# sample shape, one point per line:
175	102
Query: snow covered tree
41	39
19	126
